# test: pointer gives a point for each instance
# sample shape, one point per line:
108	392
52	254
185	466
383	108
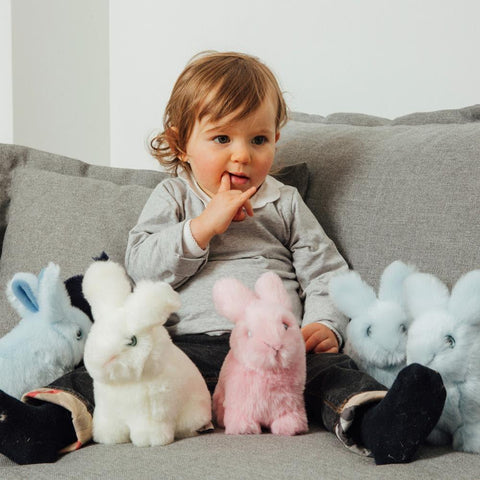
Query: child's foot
31	433
394	428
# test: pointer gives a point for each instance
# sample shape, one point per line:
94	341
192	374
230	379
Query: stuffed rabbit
377	332
146	389
445	336
262	379
50	338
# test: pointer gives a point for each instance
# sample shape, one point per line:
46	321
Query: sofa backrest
404	189
16	156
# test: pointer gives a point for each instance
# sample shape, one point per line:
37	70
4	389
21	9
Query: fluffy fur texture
262	380
445	336
147	390
50	338
377	332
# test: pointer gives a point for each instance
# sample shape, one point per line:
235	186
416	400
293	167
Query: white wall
6	107
60	77
91	77
385	58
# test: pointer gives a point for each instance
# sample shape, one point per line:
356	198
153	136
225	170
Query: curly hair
214	84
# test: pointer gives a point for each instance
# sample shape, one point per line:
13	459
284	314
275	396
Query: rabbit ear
424	292
231	297
22	292
53	297
106	286
465	299
151	303
269	286
350	294
391	281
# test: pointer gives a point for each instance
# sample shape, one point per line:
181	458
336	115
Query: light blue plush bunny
377	332
445	336
50	338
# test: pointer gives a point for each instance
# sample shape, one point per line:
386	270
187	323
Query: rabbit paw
467	439
160	434
110	434
439	437
289	425
243	427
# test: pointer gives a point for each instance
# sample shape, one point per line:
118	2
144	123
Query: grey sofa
383	190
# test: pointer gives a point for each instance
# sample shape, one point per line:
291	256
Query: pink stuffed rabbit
262	380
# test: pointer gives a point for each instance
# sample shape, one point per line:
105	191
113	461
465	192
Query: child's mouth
238	179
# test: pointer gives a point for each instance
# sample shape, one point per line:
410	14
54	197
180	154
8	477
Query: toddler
222	214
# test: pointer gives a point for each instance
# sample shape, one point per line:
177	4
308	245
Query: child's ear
277	136
172	138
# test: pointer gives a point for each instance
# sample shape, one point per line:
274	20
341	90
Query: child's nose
241	153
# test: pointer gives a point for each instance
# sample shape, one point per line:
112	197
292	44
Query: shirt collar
268	192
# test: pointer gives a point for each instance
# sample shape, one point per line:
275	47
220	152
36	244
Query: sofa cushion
394	189
16	156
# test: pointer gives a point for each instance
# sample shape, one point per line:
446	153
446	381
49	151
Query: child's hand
225	207
319	338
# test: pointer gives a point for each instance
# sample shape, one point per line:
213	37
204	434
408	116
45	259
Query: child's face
243	148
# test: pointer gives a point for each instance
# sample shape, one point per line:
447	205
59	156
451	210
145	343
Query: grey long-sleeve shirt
283	236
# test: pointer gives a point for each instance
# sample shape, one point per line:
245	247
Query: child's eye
222	139
259	140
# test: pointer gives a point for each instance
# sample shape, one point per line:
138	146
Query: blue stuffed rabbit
445	336
50	338
377	331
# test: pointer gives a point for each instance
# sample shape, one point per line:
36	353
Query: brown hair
214	84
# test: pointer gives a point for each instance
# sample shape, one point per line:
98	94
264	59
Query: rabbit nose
110	360
277	347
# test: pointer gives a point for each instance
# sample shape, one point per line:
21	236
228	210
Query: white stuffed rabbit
146	389
445	336
377	332
262	379
49	340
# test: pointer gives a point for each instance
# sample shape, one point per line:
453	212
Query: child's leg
207	352
390	426
331	380
33	434
53	418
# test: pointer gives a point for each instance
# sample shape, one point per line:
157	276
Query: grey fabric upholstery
400	190
383	189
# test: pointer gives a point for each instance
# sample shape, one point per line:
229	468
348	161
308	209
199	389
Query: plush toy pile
416	320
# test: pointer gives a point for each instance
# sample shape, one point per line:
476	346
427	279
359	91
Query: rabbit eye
369	331
133	341
403	328
450	341
285	326
79	334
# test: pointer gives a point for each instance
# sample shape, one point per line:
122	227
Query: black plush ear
102	258
74	289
